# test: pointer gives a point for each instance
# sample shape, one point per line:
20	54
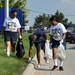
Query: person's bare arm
34	38
50	38
3	30
45	36
64	36
18	30
19	34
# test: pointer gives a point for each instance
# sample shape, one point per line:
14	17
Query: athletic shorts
40	46
55	43
10	36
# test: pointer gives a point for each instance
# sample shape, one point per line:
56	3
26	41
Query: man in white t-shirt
58	34
11	27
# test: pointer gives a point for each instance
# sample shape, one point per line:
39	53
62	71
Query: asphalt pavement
45	69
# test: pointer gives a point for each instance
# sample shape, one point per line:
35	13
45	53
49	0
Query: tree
61	18
19	4
42	20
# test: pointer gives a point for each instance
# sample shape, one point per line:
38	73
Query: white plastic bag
61	54
48	51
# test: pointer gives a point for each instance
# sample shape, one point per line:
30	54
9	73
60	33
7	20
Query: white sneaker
8	54
38	65
47	62
29	59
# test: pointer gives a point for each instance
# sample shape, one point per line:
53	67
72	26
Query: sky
67	7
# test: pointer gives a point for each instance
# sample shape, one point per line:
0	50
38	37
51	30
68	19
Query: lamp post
6	14
6	8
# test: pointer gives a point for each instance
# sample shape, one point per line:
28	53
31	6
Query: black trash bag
20	49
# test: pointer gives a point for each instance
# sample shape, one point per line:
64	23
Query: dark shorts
40	46
10	36
55	43
43	46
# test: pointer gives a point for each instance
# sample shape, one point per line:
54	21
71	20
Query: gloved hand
61	41
20	37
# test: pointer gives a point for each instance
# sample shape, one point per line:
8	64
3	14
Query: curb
30	68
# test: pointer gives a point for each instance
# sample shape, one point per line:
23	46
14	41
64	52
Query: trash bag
61	54
48	51
20	49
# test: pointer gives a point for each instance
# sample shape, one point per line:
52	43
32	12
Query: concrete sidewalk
69	65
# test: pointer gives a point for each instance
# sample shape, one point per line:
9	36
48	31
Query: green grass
13	65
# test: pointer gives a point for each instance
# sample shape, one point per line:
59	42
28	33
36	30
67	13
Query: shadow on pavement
36	68
72	48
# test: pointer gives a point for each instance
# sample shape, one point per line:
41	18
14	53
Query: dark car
70	37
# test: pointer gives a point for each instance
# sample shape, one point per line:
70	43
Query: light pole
6	14
6	8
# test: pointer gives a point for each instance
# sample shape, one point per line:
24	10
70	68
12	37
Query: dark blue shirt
40	36
31	37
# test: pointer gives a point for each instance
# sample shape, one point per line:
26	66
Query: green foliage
44	20
19	4
1	3
61	18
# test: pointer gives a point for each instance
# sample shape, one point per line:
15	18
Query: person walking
40	44
57	35
11	27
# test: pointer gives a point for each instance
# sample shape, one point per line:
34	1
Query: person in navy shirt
40	44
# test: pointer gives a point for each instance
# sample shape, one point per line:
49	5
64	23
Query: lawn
13	65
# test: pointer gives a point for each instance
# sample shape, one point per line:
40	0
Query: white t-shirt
57	31
11	24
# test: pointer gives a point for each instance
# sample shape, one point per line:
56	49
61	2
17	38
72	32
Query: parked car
70	37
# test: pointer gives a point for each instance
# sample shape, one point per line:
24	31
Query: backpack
20	49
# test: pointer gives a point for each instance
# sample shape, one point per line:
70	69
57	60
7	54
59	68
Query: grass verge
13	65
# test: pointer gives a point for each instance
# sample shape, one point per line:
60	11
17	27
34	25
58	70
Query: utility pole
6	8
6	14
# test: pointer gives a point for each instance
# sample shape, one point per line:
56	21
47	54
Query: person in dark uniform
40	44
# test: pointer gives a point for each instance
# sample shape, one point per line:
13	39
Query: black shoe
54	68
61	68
